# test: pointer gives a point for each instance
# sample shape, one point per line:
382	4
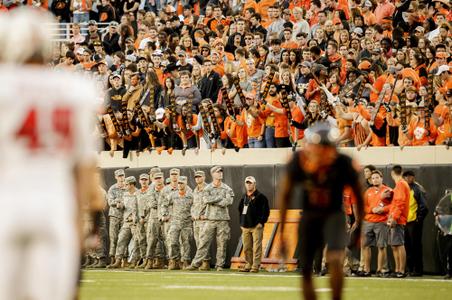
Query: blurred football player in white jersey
47	158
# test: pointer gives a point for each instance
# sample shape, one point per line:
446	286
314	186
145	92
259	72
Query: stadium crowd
234	74
152	224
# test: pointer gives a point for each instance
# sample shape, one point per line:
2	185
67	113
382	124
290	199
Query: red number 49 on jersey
47	129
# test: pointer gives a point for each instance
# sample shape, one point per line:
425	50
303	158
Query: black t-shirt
130	4
322	191
114	98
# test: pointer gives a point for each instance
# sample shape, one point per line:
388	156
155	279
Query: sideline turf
181	285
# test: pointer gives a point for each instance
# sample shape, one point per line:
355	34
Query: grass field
181	285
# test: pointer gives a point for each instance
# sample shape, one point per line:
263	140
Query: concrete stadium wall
374	155
433	167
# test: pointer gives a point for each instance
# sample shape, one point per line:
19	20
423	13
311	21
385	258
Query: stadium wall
433	167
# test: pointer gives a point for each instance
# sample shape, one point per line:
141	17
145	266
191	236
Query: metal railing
61	32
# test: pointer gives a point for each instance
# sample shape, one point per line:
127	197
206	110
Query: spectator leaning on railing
379	71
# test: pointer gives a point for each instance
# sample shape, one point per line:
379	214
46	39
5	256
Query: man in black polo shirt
254	212
322	173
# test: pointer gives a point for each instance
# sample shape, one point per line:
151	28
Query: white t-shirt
46	124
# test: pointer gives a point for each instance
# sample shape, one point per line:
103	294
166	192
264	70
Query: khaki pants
252	246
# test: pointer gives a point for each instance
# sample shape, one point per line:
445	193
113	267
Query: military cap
155	170
215	169
144	176
158	175
200	173
182	179
131	179
174	171
120	172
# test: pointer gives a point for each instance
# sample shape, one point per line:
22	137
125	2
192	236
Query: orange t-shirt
289	45
418	133
444	131
281	122
254	125
239	133
219	68
348	200
372	199
297	116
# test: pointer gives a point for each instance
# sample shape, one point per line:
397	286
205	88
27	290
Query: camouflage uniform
130	218
198	209
143	216
181	227
153	228
217	200
115	214
164	195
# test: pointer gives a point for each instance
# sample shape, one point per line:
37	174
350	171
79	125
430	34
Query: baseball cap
174	171
155	170
419	28
368	3
159	113
120	172
92	22
114	24
157	53
365	65
358	31
158	175
200	174
182	179
131	58
144	176
80	51
250	179
442	69
216	169
131	179
115	75
306	64
97	43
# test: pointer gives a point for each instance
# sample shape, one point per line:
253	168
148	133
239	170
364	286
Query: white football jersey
46	126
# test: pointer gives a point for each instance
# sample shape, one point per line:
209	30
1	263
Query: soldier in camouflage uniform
144	195
116	204
218	197
152	172
181	227
130	220
154	251
164	214
198	211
